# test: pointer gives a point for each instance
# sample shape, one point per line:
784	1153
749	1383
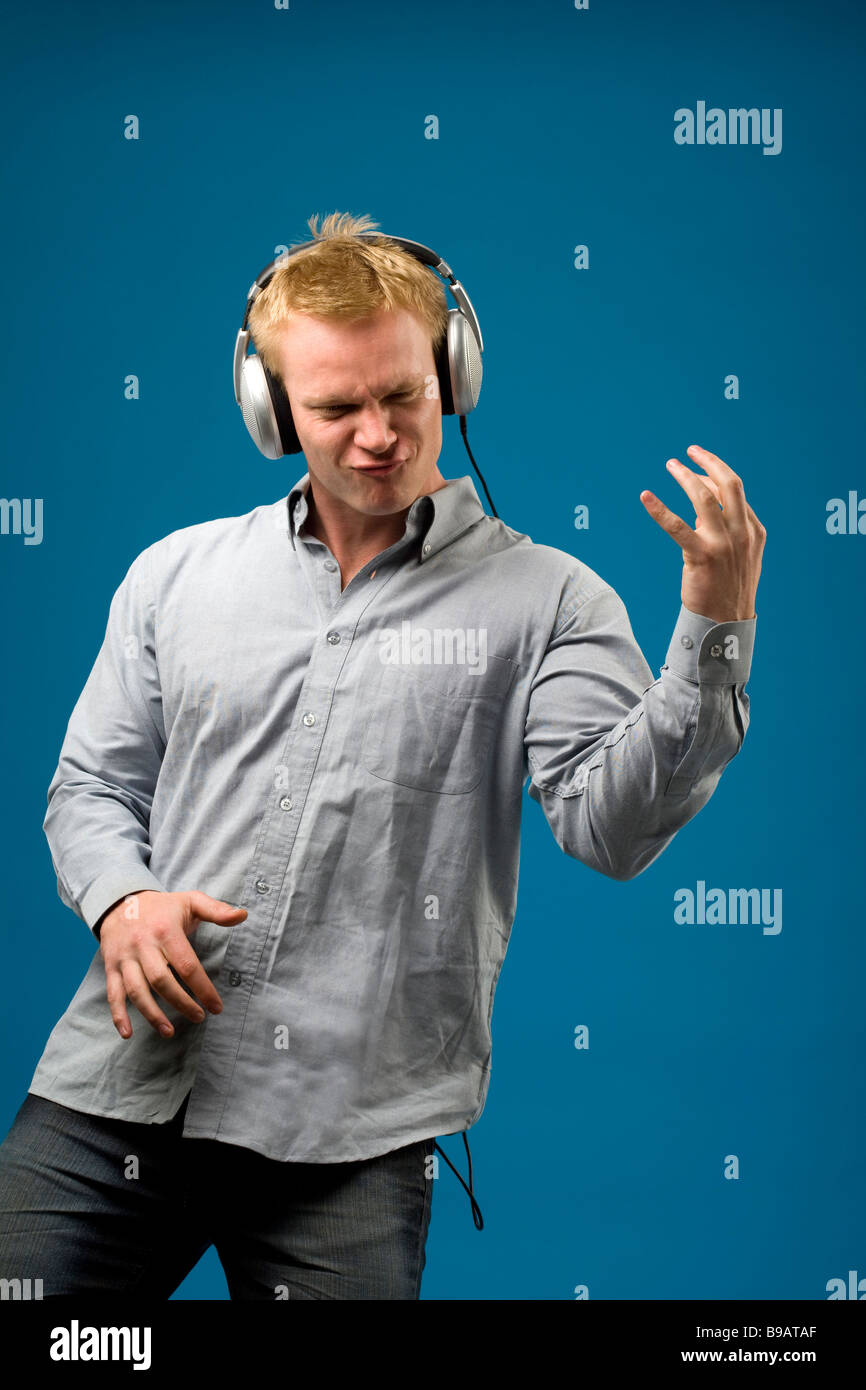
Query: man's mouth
379	470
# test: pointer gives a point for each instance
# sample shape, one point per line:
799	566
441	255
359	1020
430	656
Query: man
327	710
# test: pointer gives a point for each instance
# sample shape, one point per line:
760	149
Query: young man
326	711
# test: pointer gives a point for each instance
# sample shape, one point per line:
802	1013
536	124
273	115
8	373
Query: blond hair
344	277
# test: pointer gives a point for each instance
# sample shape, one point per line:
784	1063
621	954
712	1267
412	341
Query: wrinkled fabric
349	766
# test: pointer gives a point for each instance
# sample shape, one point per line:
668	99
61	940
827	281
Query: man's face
365	401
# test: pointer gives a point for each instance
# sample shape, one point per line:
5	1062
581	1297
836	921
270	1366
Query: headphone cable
476	1210
462	419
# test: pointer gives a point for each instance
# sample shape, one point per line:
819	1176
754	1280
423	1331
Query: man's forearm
622	802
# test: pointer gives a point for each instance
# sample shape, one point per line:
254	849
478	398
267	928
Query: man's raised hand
722	556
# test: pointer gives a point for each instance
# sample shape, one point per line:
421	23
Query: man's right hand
141	950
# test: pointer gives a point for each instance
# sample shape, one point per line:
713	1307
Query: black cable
462	419
476	1210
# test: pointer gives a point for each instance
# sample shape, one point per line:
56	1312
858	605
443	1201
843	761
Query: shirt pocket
430	727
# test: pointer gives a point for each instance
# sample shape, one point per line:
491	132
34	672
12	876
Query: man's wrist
741	616
121	902
111	888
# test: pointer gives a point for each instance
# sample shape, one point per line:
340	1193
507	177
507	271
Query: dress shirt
349	765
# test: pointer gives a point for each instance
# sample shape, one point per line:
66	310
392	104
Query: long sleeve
618	761
100	797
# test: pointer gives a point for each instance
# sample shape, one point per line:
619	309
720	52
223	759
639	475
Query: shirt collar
435	519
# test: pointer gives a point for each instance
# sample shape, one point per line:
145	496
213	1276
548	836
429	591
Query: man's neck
352	537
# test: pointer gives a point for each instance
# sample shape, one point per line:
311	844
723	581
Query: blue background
601	1167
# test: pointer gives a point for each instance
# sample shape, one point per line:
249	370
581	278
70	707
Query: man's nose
374	430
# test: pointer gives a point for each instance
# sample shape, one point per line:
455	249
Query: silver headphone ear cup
464	358
257	409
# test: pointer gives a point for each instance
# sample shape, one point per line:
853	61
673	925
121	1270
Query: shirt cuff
111	887
707	652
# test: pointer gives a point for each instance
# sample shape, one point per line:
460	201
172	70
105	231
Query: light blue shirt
350	767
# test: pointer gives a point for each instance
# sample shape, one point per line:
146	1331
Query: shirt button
286	803
235	977
330	565
333	638
309	719
262	886
715	650
687	641
426	550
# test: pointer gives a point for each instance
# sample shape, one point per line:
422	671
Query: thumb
214	909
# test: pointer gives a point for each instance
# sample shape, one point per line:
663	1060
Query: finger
158	974
213	909
182	958
751	514
704	500
684	536
714	489
116	995
730	483
138	994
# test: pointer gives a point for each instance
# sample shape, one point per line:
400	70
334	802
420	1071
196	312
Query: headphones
262	397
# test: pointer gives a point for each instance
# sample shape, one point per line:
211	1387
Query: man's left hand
722	556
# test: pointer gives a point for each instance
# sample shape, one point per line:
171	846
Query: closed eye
331	412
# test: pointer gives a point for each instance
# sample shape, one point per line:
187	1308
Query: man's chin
381	498
374	493
382	492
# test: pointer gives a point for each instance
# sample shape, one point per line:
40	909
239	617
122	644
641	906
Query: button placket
299	756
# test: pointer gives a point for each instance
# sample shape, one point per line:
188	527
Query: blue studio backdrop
675	1109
